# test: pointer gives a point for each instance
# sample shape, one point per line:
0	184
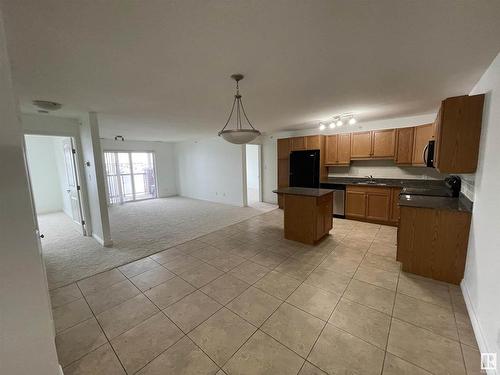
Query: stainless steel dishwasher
338	198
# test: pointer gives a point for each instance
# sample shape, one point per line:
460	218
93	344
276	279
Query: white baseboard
107	243
478	333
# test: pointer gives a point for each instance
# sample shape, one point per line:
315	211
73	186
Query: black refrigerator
304	169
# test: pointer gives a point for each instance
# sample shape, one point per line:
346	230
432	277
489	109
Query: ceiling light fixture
339	122
322	126
352	121
332	125
239	135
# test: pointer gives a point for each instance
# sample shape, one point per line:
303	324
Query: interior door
73	185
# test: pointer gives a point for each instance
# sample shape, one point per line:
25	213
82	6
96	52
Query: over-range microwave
429	154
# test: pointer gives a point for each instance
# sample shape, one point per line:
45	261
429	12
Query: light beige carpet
138	229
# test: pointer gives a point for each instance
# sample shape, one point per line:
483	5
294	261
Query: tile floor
243	300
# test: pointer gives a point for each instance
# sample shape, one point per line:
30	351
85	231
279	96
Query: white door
73	185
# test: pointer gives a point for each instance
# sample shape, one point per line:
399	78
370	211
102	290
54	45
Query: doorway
253	174
54	178
130	176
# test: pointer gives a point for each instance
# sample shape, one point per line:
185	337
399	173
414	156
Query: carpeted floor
138	229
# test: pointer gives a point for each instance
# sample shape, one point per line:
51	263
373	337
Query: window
130	176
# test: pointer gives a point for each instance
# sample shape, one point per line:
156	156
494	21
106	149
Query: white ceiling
160	69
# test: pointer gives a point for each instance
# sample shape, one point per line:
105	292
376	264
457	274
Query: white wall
44	174
26	328
164	157
481	284
210	169
357	168
63	174
252	165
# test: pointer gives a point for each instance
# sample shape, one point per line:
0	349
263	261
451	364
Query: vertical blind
130	176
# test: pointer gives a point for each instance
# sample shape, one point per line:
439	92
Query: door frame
244	172
84	202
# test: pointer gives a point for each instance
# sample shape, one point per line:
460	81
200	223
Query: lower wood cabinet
394	215
370	203
433	242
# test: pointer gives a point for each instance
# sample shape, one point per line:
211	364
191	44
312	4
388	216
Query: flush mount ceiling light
45	105
338	121
239	135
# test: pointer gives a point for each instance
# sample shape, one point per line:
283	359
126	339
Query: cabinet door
361	145
355	204
283	172
298	143
394	216
423	134
344	149
404	145
331	149
312	142
284	148
383	143
377	205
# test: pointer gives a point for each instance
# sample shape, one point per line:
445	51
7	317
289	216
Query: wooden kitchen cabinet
433	242
422	135
458	132
313	142
361	145
383	143
404	146
338	149
298	143
394	214
368	203
355	203
378	204
284	148
283	172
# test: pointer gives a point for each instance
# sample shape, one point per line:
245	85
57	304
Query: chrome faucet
370	177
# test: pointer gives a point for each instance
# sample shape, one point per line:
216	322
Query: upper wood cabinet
422	135
338	149
298	143
313	142
361	145
284	147
283	172
458	131
404	146
383	143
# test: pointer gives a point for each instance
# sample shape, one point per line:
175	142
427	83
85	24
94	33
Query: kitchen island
307	213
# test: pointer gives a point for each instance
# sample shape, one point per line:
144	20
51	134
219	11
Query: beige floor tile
192	310
397	366
225	288
126	315
378	298
384	263
145	341
182	263
111	296
249	272
339	265
226	262
169	292
278	284
70	314
363	322
65	294
221	335
310	369
378	277
254	305
312	256
166	255
346	252
101	361
426	291
207	253
339	352
438	319
201	275
328	280
75	342
268	259
356	243
457	299
294	328
184	357
101	280
472	359
465	330
295	268
385	249
262	355
315	301
138	267
246	251
190	246
152	278
425	349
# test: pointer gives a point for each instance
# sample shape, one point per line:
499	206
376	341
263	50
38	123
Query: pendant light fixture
239	135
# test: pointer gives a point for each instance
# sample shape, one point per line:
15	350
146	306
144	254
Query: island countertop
309	192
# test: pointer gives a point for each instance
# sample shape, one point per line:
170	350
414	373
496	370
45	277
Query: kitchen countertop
309	192
383	182
462	203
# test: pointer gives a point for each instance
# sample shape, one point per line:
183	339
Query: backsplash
384	169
